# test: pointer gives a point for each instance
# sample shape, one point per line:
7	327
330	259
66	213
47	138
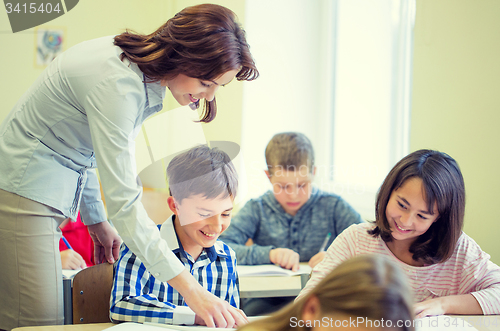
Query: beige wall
456	103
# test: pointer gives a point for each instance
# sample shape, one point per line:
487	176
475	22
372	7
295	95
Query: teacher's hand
106	242
214	311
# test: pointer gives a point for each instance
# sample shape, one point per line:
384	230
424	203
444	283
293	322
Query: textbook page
270	270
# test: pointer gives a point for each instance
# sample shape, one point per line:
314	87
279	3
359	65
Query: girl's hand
71	260
431	307
316	259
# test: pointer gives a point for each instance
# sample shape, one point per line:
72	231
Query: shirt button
294	242
157	274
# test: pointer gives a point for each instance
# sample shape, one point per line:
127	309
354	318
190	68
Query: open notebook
270	270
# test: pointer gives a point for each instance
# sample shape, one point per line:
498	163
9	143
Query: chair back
91	294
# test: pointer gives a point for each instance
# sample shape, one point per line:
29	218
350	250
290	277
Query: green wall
456	103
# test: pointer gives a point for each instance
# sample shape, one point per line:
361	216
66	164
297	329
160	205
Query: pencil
323	246
66	243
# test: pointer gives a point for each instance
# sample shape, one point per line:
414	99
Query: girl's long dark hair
444	186
203	41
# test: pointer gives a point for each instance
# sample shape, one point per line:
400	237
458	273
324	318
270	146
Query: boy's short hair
289	151
202	170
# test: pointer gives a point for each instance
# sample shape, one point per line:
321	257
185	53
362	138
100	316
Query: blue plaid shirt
138	297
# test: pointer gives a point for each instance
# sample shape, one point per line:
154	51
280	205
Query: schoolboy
203	184
289	223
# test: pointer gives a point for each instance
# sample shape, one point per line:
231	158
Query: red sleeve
78	237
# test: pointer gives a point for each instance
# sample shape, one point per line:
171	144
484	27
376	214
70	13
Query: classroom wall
89	19
455	108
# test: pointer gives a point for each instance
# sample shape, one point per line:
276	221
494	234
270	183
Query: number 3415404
32	8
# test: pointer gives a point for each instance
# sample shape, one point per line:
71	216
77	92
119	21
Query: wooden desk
71	327
481	323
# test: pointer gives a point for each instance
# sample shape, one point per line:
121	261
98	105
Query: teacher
83	112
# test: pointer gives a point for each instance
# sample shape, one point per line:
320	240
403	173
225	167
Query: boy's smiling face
292	189
200	221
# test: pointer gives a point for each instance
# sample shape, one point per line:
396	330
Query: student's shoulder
267	197
223	250
468	250
359	231
127	258
322	200
263	203
326	197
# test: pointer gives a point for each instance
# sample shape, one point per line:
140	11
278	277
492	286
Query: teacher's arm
106	240
112	110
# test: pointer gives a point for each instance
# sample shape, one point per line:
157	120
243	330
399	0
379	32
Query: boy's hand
71	260
285	258
316	259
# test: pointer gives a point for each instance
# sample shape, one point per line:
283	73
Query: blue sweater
265	222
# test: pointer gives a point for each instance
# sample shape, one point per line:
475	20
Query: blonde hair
368	286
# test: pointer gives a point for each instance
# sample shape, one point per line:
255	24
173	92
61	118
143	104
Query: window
339	72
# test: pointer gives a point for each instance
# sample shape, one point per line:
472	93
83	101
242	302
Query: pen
323	247
66	243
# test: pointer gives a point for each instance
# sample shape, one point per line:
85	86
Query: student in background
420	213
203	184
361	292
81	252
289	223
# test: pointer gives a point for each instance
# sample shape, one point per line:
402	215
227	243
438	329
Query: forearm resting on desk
465	304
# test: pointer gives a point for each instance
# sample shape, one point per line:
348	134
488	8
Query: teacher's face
187	89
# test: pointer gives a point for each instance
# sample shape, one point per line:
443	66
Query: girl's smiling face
407	211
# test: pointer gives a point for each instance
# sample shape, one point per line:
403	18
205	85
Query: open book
270	270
